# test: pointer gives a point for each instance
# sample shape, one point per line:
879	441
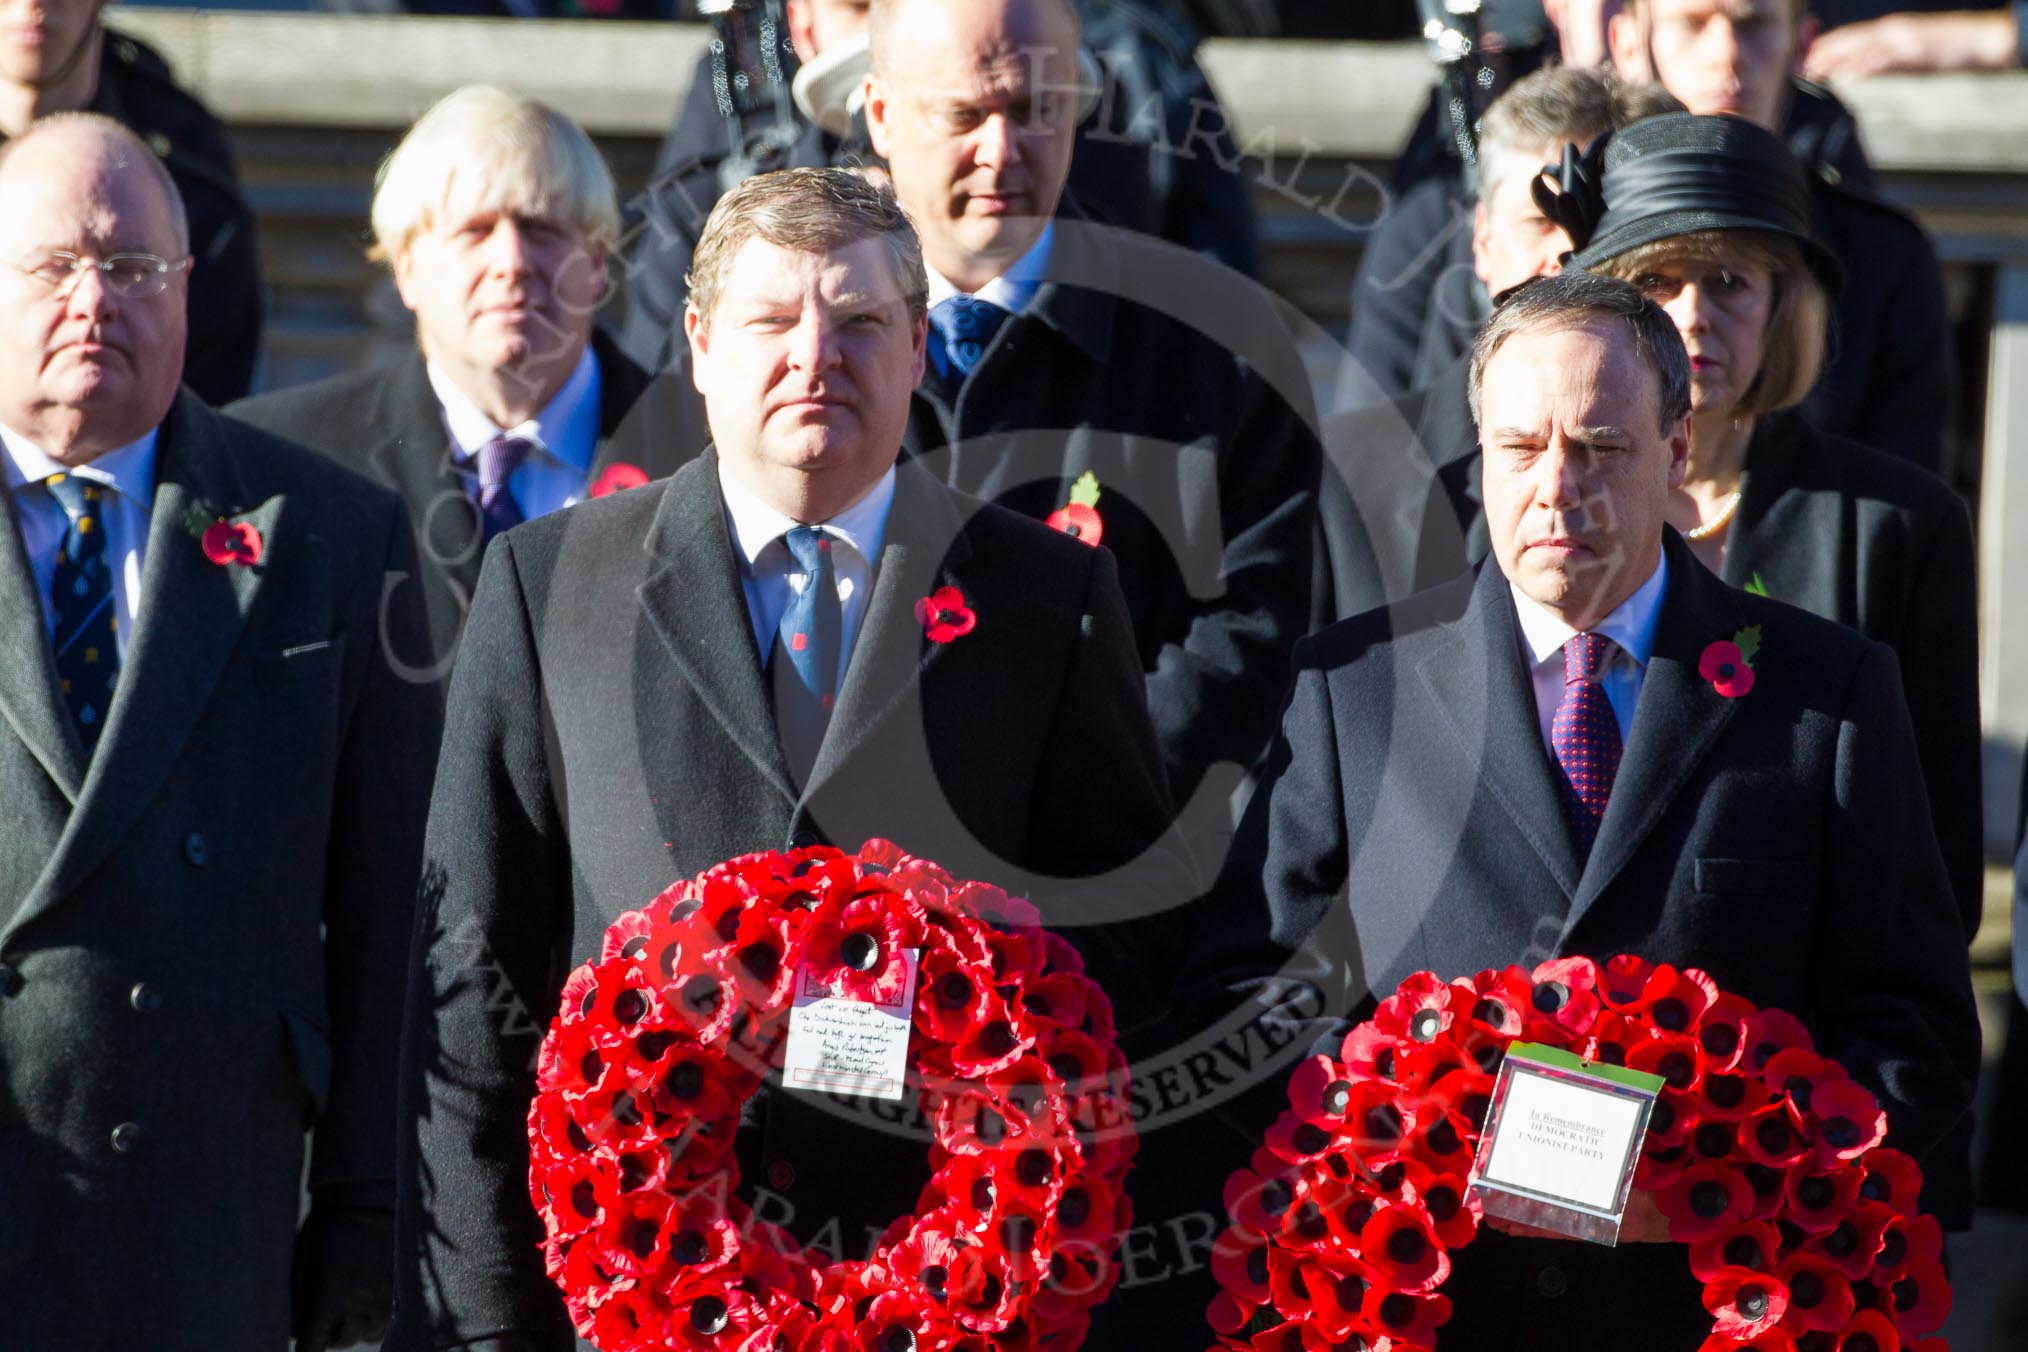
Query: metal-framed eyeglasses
124	274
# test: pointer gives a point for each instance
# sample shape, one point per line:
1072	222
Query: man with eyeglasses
55	56
215	785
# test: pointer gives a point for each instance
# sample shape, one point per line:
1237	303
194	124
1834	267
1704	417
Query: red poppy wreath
657	1044
1763	1156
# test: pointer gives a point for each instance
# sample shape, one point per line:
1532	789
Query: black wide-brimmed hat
1676	174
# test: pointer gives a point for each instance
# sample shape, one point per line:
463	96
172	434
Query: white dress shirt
129	473
1631	627
565	435
769	574
1012	289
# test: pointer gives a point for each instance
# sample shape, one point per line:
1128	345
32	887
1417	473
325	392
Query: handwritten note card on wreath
844	1046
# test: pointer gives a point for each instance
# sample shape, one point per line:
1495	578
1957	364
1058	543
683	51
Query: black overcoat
1409	821
609	732
204	928
1173	380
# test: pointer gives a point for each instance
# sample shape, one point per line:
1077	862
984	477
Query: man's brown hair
810	211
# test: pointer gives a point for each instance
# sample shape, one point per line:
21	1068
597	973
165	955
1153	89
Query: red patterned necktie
1585	738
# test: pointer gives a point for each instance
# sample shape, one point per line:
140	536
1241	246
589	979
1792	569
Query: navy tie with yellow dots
86	639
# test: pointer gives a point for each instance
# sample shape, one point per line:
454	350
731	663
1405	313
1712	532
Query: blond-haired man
496	214
731	661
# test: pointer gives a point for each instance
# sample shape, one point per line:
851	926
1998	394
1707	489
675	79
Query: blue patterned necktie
1586	739
966	325
86	638
498	459
805	657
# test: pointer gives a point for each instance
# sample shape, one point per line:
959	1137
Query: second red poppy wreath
1765	1158
657	1044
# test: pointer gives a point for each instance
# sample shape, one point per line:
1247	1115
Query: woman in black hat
1711	217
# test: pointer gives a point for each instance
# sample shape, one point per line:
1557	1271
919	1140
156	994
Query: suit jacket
1175	382
610	731
388	426
1773	840
1840	529
203	929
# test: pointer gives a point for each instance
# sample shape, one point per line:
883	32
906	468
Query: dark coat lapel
1678	719
29	696
923	546
693	599
191	614
1446	434
1483	690
1790	496
412	455
621	385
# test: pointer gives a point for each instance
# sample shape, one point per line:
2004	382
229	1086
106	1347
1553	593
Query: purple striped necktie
1585	738
498	459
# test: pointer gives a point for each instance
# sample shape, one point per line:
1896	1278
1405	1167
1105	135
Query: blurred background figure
56	57
1887	382
1913	43
1154	152
1064	351
1398	507
496	215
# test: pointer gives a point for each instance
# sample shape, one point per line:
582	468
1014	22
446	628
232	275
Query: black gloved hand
342	1281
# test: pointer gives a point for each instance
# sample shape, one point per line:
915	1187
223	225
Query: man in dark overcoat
1143	397
1531	763
215	789
732	660
496	214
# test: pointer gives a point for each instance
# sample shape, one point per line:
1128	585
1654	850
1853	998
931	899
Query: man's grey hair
1557	106
1572	299
132	153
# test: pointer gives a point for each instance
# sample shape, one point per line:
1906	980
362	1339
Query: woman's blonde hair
484	147
1798	329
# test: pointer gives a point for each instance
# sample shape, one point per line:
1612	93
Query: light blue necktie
966	325
805	657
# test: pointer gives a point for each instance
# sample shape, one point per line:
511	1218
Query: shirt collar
128	471
756	524
1631	626
566	429
1012	289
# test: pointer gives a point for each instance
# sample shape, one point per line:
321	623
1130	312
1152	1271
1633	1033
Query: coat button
125	1137
803	840
145	998
195	850
781	1175
1552	1282
10	981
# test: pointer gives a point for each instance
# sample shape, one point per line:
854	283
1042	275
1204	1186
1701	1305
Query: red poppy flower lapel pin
944	615
617	478
1728	663
224	542
1079	518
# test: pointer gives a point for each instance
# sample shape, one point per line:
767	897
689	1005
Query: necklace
1717	523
